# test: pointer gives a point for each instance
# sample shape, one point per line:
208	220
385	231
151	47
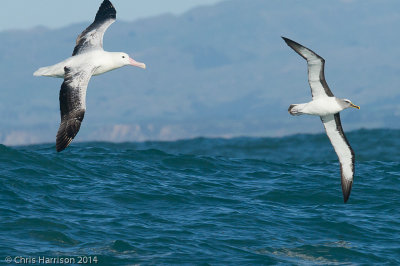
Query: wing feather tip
62	141
60	148
106	11
288	41
68	130
346	189
64	138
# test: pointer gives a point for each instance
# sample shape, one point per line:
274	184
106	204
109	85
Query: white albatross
327	106
88	59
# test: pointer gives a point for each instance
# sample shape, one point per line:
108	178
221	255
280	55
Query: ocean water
241	201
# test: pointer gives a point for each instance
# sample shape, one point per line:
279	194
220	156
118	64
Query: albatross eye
123	56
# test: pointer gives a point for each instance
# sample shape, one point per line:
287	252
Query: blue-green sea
240	201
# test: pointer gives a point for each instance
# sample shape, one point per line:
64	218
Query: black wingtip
290	42
69	128
63	140
285	39
106	11
346	189
60	149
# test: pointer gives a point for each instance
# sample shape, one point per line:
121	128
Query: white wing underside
316	65
343	150
91	38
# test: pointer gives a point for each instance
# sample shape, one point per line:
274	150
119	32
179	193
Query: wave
248	200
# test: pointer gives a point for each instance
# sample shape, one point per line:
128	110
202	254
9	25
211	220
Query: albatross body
100	61
325	105
88	59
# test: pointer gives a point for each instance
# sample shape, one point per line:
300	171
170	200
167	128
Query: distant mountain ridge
218	70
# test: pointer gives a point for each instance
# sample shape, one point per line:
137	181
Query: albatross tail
50	71
41	72
295	109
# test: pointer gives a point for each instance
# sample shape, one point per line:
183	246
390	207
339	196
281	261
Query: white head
347	104
123	59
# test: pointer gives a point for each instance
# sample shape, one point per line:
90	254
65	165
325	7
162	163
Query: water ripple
203	201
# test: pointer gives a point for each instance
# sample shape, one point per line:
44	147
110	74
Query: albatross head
347	104
123	59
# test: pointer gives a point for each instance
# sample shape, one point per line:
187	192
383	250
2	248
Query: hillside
219	70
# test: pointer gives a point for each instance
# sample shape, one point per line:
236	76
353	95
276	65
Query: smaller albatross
327	106
88	59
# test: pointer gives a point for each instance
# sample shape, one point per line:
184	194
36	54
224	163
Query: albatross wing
72	104
92	37
343	150
316	64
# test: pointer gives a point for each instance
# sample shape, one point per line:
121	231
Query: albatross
88	59
325	105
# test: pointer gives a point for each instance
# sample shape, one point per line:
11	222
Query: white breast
322	106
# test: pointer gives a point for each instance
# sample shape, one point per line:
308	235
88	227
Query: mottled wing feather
92	37
316	65
72	104
345	153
